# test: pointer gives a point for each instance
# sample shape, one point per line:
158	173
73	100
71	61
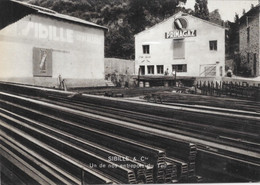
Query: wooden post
204	88
138	80
236	89
216	86
82	177
64	85
220	88
212	89
230	88
209	88
258	93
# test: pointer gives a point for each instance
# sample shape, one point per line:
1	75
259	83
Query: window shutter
179	49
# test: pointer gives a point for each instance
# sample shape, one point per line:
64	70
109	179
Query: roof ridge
35	6
180	12
53	13
257	6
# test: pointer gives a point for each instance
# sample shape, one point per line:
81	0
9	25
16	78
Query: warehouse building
184	44
39	46
249	42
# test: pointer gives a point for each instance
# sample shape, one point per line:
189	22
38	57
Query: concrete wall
77	51
120	66
197	50
253	46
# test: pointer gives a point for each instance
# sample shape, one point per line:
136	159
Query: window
150	69
160	69
142	70
213	45
146	49
179	49
248	34
179	68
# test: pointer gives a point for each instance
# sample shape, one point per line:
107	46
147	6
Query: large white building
183	43
38	45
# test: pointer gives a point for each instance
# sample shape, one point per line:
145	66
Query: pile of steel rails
202	100
61	137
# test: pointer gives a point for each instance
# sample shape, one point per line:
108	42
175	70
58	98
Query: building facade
184	44
42	45
249	42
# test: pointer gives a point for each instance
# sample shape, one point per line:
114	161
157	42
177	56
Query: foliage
124	18
201	9
215	17
236	18
232	42
244	12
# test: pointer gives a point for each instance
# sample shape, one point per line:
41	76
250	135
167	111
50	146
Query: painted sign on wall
180	30
58	33
42	62
181	34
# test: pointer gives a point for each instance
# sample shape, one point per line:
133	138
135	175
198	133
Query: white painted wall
197	50
78	51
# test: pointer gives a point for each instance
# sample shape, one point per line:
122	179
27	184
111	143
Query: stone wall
251	47
120	71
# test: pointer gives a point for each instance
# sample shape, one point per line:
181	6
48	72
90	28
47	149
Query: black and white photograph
129	92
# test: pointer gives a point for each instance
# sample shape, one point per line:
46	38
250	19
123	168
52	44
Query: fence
242	90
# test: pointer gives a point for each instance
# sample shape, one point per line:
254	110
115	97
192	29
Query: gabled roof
51	13
180	13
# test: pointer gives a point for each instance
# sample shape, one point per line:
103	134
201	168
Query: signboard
42	62
181	34
180	30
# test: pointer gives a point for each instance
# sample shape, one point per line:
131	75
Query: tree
124	18
201	9
236	19
120	43
215	17
232	43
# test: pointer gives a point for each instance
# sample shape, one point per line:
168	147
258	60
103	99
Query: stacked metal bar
106	127
59	133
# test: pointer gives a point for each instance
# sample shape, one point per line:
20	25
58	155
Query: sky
227	8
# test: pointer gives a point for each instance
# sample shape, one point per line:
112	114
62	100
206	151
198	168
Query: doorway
142	70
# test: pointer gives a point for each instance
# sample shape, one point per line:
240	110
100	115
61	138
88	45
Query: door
142	70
